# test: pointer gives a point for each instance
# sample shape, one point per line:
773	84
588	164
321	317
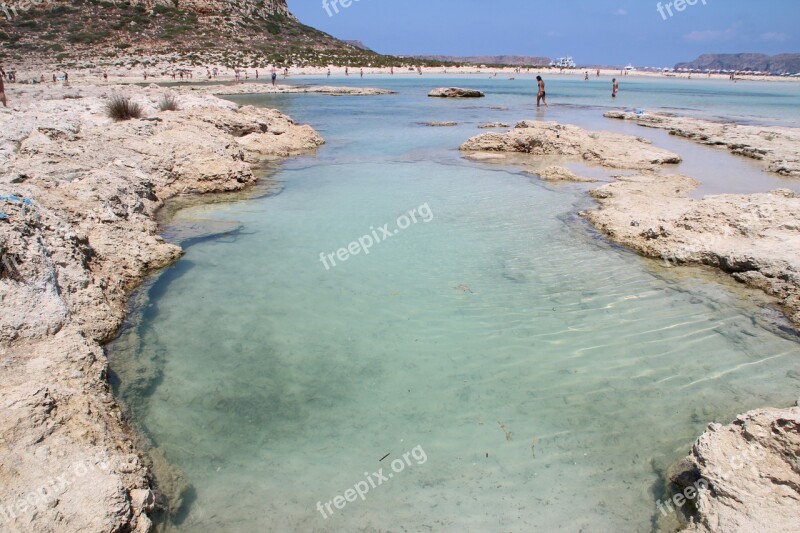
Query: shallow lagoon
548	376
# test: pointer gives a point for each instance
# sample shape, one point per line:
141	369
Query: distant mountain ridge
526	61
778	64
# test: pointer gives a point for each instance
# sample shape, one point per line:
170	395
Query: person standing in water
2	87
274	77
541	96
614	88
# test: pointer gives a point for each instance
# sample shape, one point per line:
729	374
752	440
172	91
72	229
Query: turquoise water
741	101
536	377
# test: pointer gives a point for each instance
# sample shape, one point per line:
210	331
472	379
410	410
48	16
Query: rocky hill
247	33
779	64
520	61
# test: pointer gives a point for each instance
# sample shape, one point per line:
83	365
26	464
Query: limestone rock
751	470
550	139
556	173
755	238
81	233
775	148
455	92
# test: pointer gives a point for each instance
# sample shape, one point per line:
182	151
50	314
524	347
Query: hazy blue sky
599	31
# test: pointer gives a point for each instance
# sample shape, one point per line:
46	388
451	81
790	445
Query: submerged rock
455	92
556	173
490	125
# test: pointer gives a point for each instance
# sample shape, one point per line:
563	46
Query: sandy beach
160	71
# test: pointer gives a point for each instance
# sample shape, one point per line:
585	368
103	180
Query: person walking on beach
362	72
614	88
2	87
329	73
541	96
586	78
274	77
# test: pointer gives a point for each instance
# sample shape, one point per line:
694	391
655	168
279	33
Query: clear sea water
548	376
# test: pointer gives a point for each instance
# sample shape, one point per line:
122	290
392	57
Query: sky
607	32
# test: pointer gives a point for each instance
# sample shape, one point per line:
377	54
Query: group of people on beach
11	77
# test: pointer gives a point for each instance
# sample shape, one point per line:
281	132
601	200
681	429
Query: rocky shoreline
80	198
747	474
775	147
81	195
754	238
